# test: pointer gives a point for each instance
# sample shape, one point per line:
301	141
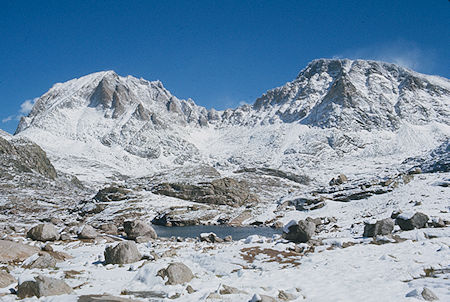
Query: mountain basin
222	231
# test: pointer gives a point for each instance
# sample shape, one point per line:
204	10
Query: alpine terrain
339	181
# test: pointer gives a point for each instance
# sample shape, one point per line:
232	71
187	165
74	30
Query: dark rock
407	222
112	194
43	232
122	253
381	227
395	213
176	273
301	231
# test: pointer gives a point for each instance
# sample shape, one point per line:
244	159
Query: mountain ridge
333	108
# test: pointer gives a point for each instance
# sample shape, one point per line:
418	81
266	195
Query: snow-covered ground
343	267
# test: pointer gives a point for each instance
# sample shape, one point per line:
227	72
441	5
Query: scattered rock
277	225
228	238
301	231
428	295
262	298
112	194
87	232
122	253
109	228
395	213
47	248
339	180
11	251
43	286
409	222
190	289
138	228
282	295
176	273
381	227
65	237
210	237
44	261
102	298
6	279
229	290
437	222
43	232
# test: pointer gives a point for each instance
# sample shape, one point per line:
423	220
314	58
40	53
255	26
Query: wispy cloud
405	53
26	106
25	109
9	118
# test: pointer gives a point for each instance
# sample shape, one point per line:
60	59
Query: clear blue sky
219	53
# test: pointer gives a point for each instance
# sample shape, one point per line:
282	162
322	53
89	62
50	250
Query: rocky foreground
353	250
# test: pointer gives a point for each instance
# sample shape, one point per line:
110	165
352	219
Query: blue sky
219	53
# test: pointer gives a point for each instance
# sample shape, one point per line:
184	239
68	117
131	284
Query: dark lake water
220	230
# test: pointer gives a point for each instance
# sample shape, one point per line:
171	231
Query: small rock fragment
428	295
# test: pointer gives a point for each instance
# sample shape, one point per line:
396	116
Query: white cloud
25	109
404	53
9	118
26	106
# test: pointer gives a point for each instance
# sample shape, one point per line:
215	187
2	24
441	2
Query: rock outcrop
224	191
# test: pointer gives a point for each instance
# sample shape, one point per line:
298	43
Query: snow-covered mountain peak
131	126
353	94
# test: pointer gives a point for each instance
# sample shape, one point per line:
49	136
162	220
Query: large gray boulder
14	251
176	273
6	279
138	228
299	232
43	232
381	227
42	287
87	232
408	222
122	253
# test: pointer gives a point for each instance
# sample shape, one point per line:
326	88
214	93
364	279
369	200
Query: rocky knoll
25	156
224	191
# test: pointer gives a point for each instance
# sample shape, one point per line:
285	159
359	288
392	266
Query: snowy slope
334	115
